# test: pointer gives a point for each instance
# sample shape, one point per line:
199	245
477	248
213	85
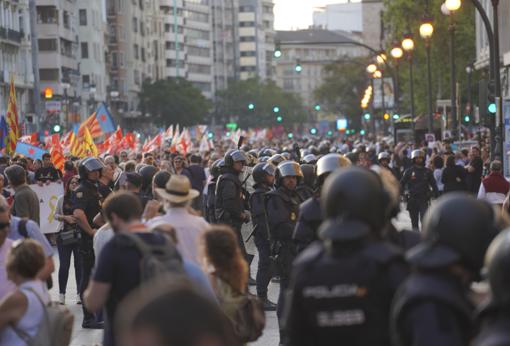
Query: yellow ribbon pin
53	206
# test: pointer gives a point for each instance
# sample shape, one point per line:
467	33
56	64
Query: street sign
53	106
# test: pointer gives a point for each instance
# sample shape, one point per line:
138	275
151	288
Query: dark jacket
454	178
419	181
258	210
229	200
309	220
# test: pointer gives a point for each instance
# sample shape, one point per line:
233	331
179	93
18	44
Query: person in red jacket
494	187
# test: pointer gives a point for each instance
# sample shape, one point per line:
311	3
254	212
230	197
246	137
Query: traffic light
48	93
290	135
386	116
210	135
362	132
491	98
279	119
396	116
276	109
317	107
227	134
347	132
313	131
251	106
467	118
298	68
277	51
329	133
366	116
57	128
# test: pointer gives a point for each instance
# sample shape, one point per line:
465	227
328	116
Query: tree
234	102
404	16
343	88
173	101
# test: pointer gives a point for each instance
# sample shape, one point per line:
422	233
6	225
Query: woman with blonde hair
226	266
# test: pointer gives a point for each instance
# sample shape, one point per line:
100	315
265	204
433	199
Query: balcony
3	32
15	36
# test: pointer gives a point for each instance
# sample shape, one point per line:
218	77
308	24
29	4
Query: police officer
341	288
263	175
494	317
230	200
86	202
418	180
215	172
432	307
307	184
310	213
282	207
384	159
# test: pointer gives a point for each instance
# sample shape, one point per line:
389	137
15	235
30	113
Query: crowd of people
159	242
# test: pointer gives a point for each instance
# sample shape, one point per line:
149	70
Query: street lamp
408	46
377	74
397	53
371	68
448	8
426	32
469	107
381	58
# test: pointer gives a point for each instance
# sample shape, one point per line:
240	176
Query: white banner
48	197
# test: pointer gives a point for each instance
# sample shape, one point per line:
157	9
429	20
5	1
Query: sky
297	14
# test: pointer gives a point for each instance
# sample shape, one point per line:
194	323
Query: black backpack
157	260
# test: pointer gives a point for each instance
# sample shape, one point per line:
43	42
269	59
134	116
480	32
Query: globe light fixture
408	43
426	29
452	5
397	52
371	68
381	58
377	74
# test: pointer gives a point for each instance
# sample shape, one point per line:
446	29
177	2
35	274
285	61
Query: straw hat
178	190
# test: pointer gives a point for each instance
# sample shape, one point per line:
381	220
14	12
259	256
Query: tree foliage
233	103
343	88
173	101
405	16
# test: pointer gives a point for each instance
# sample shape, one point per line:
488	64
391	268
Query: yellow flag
89	143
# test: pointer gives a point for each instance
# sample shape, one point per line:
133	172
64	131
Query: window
137	77
135	48
142	29
249	53
169	45
167	27
66	48
84	50
143	54
247	38
202	69
85	81
66	20
83	17
47	15
246	24
47	45
198	51
135	24
48	74
197	34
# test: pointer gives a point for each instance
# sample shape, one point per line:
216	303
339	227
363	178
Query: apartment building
15	55
256	39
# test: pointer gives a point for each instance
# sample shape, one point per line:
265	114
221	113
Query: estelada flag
92	125
12	120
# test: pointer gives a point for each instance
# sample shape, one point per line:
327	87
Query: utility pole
35	66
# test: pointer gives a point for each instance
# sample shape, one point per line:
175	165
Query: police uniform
87	198
309	220
261	237
209	202
229	205
343	294
419	181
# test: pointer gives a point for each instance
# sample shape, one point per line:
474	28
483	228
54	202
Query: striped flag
92	125
56	152
90	146
12	120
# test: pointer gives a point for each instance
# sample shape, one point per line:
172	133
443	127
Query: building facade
312	49
256	39
15	55
344	17
372	22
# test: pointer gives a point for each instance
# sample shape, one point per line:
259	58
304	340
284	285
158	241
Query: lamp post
408	47
397	53
426	31
448	8
469	107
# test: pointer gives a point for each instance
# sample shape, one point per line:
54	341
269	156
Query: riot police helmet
254	153
264	159
313	149
216	168
497	262
456	229
324	147
355	204
89	164
309	159
383	156
286	155
232	156
267	152
417	153
261	170
308	171
276	159
328	163
289	169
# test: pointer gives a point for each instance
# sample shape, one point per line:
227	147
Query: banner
389	94
48	197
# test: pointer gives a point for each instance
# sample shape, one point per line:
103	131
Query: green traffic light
330	133
362	132
367	116
298	68
276	109
396	116
290	135
313	131
227	134
466	118
492	108
277	53
210	135
279	118
317	107
251	106
56	128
